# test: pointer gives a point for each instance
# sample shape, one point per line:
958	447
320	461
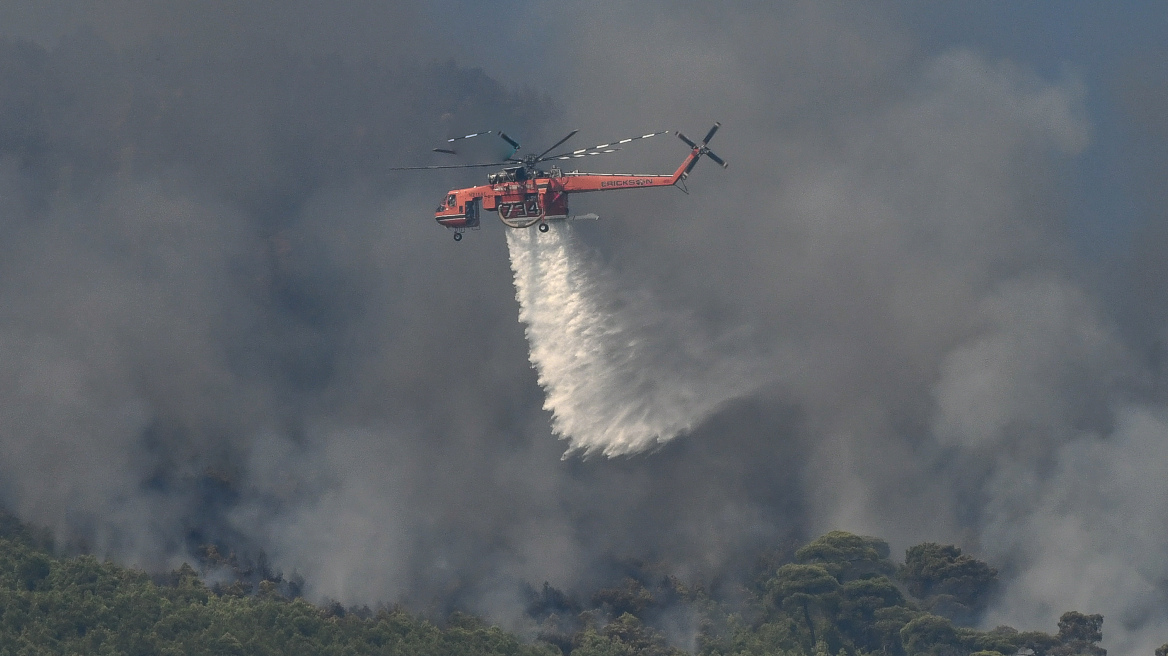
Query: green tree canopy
1079	634
847	556
858	619
807	580
835	601
808	589
949	582
931	635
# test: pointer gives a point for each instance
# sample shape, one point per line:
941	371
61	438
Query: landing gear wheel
543	227
458	236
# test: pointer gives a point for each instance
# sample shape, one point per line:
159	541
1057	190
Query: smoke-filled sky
926	301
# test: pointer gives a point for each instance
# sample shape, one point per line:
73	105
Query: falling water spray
620	374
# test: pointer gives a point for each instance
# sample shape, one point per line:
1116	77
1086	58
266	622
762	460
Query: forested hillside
78	605
841	594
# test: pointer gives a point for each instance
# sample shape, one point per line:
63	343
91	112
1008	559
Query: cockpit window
450	200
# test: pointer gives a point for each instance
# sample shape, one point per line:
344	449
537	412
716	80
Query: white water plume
620	374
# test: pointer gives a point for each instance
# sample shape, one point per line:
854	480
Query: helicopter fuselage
524	197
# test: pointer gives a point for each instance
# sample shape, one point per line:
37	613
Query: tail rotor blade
717	159
703	149
710	134
692	164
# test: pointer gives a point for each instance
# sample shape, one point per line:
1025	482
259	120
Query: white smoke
620	374
1096	512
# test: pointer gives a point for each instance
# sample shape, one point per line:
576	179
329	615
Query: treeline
842	594
52	605
839	595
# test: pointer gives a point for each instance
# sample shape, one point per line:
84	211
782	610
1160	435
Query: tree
947	581
887	623
33	569
847	556
804	588
1079	634
860	601
630	631
591	643
630	597
931	635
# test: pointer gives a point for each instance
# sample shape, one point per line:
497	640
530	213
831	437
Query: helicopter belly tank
520	210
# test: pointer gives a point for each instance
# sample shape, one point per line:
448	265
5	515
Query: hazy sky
926	301
1113	48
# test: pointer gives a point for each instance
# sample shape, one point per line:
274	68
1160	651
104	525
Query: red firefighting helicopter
525	196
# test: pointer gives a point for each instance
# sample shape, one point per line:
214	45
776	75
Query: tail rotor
703	149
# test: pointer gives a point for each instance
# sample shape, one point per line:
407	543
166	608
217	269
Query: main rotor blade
717	159
469	136
710	134
514	143
574	153
556	145
446	166
686	140
504	137
451	151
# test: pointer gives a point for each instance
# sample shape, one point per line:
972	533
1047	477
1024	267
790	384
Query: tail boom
582	182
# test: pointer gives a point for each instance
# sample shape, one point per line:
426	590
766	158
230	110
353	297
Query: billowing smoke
224	320
620	374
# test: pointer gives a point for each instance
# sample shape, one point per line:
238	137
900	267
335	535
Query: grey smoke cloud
224	320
